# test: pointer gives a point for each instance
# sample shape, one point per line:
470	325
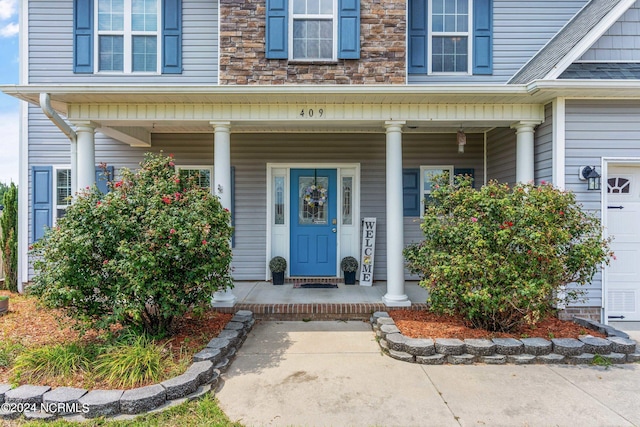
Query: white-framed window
202	174
426	181
313	26
128	38
450	23
61	191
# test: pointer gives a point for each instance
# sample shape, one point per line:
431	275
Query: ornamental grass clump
151	248
500	257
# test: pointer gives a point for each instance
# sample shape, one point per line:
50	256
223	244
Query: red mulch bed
424	324
34	326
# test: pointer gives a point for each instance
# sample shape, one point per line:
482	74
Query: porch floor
347	302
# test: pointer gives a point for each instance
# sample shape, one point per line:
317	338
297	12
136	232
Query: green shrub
147	251
499	256
9	237
349	264
58	360
278	264
132	362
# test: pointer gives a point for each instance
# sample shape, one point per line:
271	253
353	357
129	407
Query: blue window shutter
41	200
349	29
233	206
483	37
277	29
171	36
411	192
83	36
417	41
102	179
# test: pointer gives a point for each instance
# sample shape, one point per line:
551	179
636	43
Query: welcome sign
368	251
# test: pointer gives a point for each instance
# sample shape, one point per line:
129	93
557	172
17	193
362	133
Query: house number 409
311	113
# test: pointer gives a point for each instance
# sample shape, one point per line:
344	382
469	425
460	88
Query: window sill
312	62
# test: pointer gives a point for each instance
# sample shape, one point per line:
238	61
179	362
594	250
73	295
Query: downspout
47	109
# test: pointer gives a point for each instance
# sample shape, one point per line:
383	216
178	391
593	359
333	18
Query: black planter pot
349	277
278	277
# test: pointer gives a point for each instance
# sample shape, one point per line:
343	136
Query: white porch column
222	189
86	155
524	151
395	296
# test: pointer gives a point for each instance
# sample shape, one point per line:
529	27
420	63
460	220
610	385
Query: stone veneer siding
382	48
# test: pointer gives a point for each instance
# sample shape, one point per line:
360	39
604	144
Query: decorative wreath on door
315	195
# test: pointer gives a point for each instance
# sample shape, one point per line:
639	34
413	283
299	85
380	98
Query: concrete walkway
333	374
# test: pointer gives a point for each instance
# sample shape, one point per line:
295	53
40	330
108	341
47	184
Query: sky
9	106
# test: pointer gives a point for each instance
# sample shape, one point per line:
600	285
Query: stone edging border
76	404
497	351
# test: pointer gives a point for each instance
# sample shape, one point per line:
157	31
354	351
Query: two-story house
365	99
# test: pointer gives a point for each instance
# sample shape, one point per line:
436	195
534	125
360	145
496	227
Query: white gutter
47	109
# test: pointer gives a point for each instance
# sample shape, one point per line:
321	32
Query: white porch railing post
222	189
395	296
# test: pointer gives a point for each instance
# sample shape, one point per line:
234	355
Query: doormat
315	285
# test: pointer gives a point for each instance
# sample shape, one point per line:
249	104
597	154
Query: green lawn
202	412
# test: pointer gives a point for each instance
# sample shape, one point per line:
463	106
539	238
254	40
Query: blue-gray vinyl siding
543	148
621	42
51	47
520	30
501	155
597	129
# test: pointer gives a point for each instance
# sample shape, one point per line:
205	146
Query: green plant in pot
278	266
349	266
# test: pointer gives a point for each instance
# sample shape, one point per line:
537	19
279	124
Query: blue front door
313	222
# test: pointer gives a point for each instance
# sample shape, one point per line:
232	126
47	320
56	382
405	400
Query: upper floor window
128	35
314	29
450	36
450	23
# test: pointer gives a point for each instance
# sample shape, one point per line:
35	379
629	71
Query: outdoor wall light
462	141
589	174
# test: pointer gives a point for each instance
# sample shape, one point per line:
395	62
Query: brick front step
315	311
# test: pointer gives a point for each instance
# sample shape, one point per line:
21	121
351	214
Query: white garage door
623	223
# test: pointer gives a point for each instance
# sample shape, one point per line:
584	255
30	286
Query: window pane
299	6
326	6
450	23
313	200
144	15
111	15
202	177
312	39
438	6
144	53
63	186
463	6
278	211
111	53
449	54
437	23
347	200
313	7
450	6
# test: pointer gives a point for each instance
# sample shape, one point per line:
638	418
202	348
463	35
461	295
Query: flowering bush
499	256
143	253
